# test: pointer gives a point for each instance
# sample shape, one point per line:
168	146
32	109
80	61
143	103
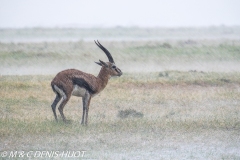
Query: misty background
45	37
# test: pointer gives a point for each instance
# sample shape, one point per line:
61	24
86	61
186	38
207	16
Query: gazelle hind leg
64	101
54	104
61	106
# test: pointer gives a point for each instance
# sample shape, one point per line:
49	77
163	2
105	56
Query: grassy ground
185	115
177	99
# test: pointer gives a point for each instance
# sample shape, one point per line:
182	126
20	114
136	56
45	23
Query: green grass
25	102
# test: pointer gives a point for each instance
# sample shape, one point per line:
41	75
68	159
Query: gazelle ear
100	64
103	63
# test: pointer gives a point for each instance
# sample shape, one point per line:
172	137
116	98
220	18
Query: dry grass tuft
129	113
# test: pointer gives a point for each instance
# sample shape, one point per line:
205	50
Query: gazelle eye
114	67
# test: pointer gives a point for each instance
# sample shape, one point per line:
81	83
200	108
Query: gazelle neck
103	77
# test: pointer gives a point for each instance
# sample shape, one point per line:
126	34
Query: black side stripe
82	83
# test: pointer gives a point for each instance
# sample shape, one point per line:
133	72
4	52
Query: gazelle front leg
86	102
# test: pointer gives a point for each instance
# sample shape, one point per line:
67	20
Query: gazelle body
77	83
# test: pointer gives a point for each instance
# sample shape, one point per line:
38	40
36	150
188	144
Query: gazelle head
110	66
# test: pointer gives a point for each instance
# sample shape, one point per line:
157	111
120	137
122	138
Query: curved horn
108	54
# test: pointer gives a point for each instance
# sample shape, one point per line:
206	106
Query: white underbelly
78	91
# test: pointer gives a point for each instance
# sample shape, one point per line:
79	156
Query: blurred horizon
31	35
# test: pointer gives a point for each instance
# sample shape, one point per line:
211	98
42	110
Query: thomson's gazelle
75	82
